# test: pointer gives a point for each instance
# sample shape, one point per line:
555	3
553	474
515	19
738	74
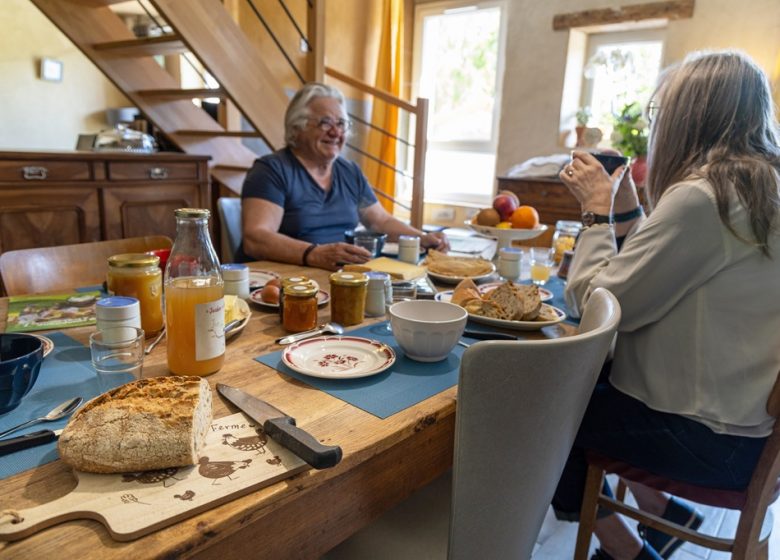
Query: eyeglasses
651	111
326	124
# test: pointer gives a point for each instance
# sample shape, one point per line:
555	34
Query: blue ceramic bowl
20	361
350	235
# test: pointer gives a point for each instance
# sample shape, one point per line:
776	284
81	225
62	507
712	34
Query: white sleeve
679	247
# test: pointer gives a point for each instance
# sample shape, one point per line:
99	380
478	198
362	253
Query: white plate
506	236
243	310
520	325
323	297
455	279
259	278
338	357
48	345
544	295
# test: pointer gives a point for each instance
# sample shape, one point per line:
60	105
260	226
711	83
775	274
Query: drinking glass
370	244
117	350
541	265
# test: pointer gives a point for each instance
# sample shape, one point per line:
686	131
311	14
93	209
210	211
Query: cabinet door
32	216
133	211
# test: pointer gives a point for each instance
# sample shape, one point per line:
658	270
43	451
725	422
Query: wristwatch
589	218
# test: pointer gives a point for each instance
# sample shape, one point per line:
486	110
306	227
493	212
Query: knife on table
28	440
487	335
282	429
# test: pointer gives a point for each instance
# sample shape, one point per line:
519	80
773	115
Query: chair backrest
230	226
519	407
65	267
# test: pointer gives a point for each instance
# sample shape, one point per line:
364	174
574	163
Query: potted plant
629	135
583	116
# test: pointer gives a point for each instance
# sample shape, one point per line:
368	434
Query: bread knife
282	429
28	440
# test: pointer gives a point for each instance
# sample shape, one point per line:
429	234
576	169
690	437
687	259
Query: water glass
403	291
370	244
117	350
541	265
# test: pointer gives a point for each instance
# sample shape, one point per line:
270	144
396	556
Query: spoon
155	342
331	328
56	413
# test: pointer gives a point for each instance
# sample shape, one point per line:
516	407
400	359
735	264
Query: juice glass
541	263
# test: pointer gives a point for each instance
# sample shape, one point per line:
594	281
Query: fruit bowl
506	236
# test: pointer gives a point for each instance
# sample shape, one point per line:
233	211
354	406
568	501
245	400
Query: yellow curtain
384	115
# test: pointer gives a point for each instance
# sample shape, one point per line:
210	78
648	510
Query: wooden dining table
304	516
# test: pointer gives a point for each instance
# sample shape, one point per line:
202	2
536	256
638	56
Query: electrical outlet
443	214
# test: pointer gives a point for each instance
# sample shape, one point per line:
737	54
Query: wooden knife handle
302	443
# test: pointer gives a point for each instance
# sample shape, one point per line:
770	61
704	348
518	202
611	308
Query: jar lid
235	271
301	290
348	279
192	213
408	240
294	280
568	226
133	260
117	307
510	254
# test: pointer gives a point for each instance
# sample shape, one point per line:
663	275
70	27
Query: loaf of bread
505	297
148	424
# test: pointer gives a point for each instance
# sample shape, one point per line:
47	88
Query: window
620	68
459	51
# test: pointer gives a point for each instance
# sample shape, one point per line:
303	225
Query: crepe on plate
459	267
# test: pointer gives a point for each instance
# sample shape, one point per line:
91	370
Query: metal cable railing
276	41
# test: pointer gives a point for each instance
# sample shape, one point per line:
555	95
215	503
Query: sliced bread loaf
148	424
507	299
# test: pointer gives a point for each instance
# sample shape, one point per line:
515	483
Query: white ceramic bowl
427	330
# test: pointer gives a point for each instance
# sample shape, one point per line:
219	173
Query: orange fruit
525	217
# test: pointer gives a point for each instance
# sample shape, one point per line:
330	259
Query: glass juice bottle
194	304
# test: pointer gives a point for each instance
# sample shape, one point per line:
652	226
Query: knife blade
28	440
281	428
487	335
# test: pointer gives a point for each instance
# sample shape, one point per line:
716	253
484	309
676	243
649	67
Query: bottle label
209	329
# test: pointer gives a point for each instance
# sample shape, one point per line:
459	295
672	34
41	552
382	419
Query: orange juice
137	275
195	320
540	273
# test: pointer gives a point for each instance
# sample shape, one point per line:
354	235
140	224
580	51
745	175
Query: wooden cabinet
550	197
59	198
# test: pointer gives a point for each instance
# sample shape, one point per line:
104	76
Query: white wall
35	114
536	59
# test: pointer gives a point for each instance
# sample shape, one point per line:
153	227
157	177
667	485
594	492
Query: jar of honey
565	236
348	297
300	307
139	276
289	281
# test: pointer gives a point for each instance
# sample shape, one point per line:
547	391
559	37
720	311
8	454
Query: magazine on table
46	312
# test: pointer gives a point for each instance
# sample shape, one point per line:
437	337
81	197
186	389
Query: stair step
143	46
215	133
188	93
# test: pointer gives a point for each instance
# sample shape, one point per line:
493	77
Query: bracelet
308	250
626	216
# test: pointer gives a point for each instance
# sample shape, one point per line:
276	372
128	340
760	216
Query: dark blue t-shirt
310	214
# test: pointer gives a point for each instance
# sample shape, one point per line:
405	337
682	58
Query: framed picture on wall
51	70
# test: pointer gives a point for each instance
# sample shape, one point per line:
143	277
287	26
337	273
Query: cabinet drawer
151	171
43	170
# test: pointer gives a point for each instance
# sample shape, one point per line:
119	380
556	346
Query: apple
510	193
505	205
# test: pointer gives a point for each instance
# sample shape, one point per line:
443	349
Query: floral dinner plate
338	357
259	278
323	297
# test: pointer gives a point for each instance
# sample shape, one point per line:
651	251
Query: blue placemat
65	373
556	286
404	384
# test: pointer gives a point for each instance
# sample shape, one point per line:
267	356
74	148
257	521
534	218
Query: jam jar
348	297
289	281
565	236
300	307
138	275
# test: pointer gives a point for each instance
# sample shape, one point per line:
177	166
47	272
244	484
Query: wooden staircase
206	29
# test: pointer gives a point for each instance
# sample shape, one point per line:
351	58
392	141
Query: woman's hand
331	256
435	240
590	184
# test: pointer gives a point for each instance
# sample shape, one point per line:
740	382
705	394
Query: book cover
45	312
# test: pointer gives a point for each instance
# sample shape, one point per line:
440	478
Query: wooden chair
751	541
519	407
65	267
230	226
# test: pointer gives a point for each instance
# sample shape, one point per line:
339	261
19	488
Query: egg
270	294
274	282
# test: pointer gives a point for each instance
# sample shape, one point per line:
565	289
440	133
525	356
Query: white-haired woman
698	282
298	202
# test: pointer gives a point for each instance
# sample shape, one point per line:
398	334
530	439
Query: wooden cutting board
237	459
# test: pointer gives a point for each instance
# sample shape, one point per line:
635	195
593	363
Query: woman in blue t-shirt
297	202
